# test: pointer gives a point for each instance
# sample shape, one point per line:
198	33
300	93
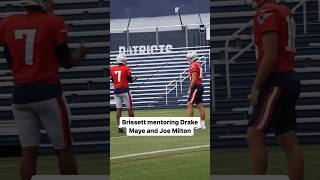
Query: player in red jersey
121	77
275	89
35	47
196	88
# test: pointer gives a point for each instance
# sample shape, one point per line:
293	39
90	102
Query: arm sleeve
268	21
130	79
59	30
2	33
129	72
129	75
63	53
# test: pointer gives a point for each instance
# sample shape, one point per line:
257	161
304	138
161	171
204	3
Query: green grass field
91	164
187	164
235	161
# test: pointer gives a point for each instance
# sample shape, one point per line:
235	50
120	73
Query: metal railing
247	25
182	78
171	89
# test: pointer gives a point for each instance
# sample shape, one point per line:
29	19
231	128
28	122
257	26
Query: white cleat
203	124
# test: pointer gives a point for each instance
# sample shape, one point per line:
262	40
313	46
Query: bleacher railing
302	3
174	85
185	74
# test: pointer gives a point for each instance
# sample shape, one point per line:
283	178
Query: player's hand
82	50
135	78
189	92
253	97
76	57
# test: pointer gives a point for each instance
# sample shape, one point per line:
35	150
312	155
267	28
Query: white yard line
160	151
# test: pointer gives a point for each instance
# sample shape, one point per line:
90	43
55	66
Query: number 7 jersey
120	75
278	18
32	40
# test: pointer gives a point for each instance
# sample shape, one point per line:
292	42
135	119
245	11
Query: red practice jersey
32	39
275	17
120	75
196	67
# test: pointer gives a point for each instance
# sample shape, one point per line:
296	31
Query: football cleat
202	125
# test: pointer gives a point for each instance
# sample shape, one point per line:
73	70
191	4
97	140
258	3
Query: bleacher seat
156	71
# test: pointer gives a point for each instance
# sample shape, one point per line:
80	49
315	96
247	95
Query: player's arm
130	78
111	77
270	45
193	80
68	59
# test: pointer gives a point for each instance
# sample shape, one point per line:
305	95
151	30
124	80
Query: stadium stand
162	74
85	87
230	116
163	78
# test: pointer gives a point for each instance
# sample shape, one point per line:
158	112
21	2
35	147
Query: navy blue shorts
196	94
276	104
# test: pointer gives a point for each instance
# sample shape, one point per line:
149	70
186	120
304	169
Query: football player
196	88
275	88
121	77
35	47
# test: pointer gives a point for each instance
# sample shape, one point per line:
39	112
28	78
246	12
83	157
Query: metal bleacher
159	74
230	117
85	87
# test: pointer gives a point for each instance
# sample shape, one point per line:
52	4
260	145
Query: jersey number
291	34
30	35
118	73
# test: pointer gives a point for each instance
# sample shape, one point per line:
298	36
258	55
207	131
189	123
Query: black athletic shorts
276	103
196	94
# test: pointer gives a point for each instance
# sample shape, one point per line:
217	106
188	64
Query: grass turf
183	164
